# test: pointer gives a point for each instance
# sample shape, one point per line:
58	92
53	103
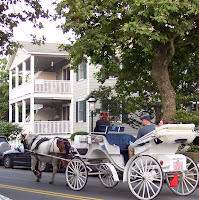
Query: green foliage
4	90
9	130
137	41
110	103
193	148
182	116
78	133
24	10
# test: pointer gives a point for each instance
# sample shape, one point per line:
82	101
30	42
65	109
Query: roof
47	48
50	49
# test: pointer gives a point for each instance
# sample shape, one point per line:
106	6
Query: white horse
47	146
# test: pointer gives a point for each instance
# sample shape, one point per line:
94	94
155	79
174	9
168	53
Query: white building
42	87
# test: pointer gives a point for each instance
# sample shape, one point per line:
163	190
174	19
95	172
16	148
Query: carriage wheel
145	177
76	174
187	180
106	176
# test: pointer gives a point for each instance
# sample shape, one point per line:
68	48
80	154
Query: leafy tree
135	39
4	90
30	10
10	130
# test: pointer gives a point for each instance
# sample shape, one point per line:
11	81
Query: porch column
23	73
10	112
23	111
16	113
10	80
71	117
16	77
32	71
32	114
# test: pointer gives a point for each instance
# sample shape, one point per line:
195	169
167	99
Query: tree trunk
162	56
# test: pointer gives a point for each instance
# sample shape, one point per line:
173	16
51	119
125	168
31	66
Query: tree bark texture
162	56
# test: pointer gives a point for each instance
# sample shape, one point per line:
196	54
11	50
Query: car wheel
7	162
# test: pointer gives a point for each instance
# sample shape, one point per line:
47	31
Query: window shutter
76	111
85	70
84	111
77	75
125	117
124	113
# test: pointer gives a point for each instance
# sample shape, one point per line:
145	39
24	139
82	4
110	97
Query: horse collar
33	140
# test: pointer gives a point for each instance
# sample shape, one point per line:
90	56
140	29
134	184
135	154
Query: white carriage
146	170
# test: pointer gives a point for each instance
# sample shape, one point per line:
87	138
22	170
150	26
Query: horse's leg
33	164
54	164
40	168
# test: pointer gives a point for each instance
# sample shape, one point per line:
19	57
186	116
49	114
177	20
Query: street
18	184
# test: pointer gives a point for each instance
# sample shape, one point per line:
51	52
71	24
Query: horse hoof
38	176
51	182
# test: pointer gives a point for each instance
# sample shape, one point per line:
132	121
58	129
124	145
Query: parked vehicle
18	157
4	146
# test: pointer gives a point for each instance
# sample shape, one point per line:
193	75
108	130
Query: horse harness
39	142
44	139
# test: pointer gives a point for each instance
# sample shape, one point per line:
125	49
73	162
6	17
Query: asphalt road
20	184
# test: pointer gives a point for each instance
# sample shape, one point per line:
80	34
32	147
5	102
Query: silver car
4	146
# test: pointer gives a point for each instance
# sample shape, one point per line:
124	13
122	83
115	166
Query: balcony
52	86
43	87
48	127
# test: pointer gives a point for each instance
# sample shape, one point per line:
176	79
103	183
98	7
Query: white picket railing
41	86
52	86
52	127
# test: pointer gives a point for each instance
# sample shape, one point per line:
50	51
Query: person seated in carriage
147	128
103	120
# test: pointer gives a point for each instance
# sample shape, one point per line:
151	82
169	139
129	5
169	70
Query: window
81	111
81	73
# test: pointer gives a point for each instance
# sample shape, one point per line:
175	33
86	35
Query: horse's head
23	141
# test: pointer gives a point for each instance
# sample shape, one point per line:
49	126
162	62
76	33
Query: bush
78	133
9	130
182	116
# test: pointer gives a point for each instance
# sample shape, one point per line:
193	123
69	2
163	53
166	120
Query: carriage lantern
92	102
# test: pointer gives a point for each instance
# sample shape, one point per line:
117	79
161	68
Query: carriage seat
121	140
106	129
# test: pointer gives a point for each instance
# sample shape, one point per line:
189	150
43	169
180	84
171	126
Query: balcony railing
47	127
42	86
51	127
52	86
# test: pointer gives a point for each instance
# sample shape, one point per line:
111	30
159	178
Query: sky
50	31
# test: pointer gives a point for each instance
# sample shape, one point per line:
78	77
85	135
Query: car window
21	147
3	139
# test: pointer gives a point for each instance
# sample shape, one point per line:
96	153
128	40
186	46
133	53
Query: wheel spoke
140	182
184	181
138	167
153	184
144	188
147	188
136	171
151	188
140	188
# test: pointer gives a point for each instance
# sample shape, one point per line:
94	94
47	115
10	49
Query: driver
147	128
